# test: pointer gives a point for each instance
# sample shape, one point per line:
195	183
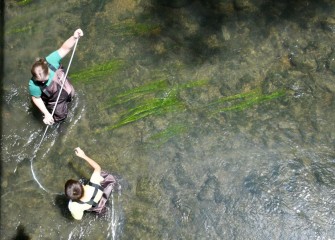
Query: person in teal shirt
45	83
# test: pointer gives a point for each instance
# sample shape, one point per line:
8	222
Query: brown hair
73	189
40	62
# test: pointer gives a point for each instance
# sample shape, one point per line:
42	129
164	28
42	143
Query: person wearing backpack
89	195
46	81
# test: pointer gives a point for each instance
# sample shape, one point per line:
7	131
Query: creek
217	118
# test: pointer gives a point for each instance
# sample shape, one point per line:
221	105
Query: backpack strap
43	86
45	91
91	202
51	66
96	186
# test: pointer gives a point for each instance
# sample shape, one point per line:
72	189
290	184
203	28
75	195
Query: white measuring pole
63	82
53	111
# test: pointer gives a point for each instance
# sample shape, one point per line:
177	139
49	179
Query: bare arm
69	43
48	119
75	212
80	153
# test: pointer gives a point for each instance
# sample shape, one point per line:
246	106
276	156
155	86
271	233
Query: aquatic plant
153	87
136	93
248	99
20	29
97	71
198	83
24	2
150	106
163	136
154	106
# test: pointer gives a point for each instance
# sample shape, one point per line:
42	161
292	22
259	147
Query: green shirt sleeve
54	59
34	90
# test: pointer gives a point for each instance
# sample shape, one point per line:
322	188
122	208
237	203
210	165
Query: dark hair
73	189
40	62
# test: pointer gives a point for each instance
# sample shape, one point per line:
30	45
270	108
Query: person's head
40	70
74	189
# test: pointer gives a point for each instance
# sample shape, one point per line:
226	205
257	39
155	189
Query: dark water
217	117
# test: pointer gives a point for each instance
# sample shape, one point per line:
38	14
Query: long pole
63	82
53	111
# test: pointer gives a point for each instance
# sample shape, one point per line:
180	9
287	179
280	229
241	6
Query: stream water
216	117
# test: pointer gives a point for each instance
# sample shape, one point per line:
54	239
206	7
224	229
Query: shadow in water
61	201
20	234
2	21
199	34
37	115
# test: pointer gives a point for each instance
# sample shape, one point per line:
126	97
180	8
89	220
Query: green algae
20	29
24	2
154	87
147	105
198	83
155	106
164	136
249	99
97	71
137	93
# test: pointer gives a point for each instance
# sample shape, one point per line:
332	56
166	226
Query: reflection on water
216	117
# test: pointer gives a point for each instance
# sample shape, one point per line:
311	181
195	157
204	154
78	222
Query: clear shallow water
229	106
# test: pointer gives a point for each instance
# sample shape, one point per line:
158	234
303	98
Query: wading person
46	82
91	196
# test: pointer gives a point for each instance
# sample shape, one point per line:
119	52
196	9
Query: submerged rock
210	190
174	3
331	61
328	24
244	5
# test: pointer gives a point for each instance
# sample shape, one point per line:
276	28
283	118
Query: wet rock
292	184
174	3
301	84
302	62
328	24
185	208
168	186
181	176
225	33
323	174
331	61
220	6
301	53
296	164
210	190
273	82
147	190
245	5
140	218
246	82
224	89
322	64
273	204
253	183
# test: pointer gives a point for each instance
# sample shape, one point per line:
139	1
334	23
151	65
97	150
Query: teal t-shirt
54	59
